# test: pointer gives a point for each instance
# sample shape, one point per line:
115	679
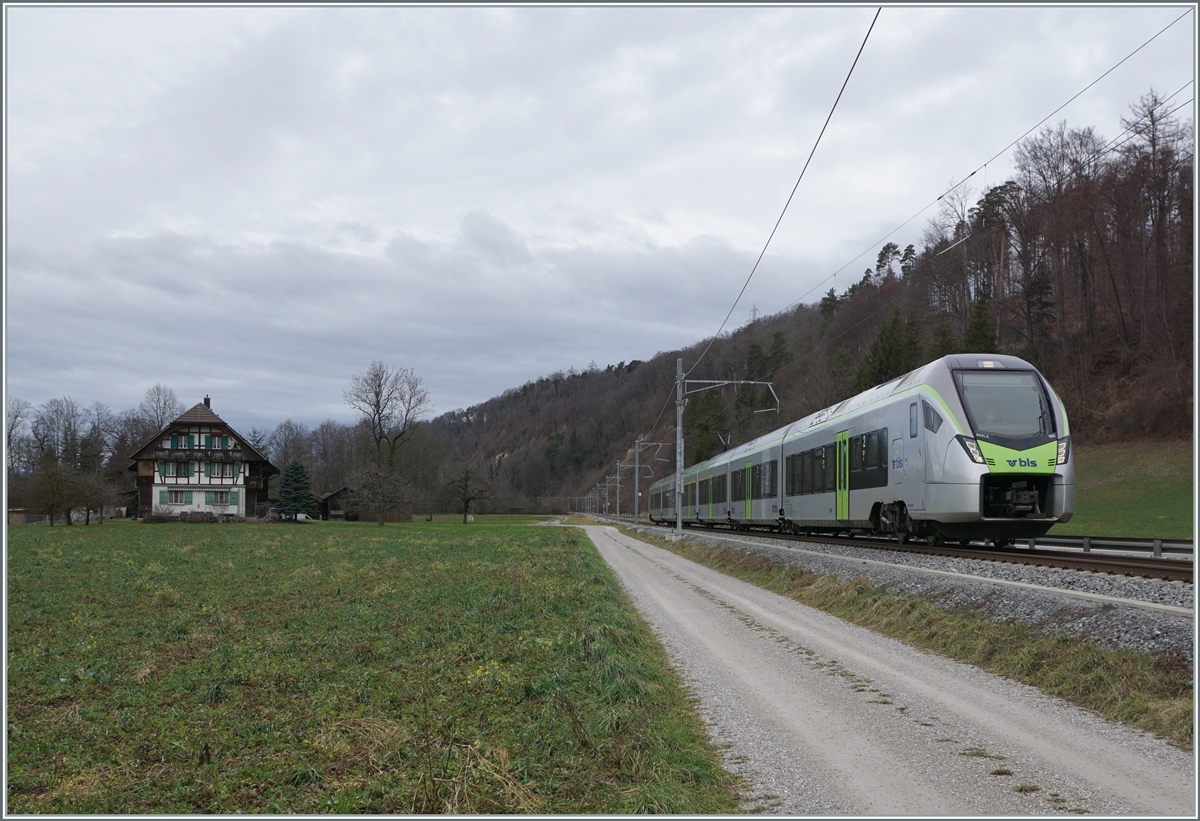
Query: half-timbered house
198	465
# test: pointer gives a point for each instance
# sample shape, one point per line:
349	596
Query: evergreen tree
980	336
703	421
829	305
294	494
945	341
778	355
896	351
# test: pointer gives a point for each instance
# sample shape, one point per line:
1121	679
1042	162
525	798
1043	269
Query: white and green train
968	447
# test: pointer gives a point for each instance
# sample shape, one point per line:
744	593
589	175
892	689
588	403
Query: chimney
206	402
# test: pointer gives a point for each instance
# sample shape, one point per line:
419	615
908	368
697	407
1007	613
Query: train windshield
1005	404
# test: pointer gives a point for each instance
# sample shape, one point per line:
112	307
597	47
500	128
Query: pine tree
897	350
945	342
294	492
980	337
704	420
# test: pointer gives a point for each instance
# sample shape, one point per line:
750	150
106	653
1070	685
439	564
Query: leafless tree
332	445
160	406
18	413
289	443
468	482
57	432
389	401
96	492
376	492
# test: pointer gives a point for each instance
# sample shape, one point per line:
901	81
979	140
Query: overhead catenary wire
791	195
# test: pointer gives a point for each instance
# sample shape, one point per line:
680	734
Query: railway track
1149	567
1095	555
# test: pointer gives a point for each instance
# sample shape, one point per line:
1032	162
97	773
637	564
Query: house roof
200	413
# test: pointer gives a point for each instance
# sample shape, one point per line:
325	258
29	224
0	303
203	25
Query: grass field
1143	489
343	668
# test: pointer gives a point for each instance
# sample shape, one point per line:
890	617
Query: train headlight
1064	450
972	449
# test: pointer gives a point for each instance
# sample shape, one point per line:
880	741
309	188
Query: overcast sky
255	203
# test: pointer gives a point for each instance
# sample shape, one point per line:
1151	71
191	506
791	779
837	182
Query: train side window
933	420
830	467
806	472
912	420
856	453
737	491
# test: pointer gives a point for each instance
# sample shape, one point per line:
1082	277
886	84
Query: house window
177	497
221	470
179	469
220	497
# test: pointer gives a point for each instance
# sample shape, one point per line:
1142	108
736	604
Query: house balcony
199	455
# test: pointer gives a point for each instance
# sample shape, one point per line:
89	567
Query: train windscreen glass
1008	404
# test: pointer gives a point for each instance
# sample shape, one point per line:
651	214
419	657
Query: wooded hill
1082	264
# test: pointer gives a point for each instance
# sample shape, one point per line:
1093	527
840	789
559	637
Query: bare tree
332	445
160	406
376	492
290	443
18	412
468	482
389	402
96	492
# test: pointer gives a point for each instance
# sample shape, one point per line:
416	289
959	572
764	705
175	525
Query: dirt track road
824	717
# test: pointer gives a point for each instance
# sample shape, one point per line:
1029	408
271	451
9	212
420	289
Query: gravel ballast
1108	624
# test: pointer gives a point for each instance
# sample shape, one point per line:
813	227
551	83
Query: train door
843	476
915	458
749	479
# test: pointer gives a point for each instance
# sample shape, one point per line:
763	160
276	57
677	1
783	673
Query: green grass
1151	692
1137	489
340	668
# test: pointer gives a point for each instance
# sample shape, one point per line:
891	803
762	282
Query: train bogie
967	447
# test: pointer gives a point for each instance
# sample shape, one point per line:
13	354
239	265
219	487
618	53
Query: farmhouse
199	466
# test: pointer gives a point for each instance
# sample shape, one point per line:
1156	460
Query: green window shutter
207	470
162	497
187	497
191	441
233	497
162	468
224	441
174	441
237	469
207	442
208	497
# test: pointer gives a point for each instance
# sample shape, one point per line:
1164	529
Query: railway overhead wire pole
637	475
681	391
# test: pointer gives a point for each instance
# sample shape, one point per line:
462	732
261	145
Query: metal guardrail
1155	547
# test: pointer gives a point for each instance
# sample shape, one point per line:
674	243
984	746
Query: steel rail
1149	567
1081	557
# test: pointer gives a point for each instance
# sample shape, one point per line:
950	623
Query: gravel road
822	717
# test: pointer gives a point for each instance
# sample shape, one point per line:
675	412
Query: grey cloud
484	194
